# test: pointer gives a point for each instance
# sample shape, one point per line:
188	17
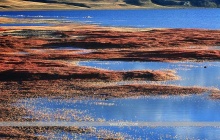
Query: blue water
191	73
193	108
151	18
154	133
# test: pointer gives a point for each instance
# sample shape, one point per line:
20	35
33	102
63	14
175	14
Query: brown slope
66	4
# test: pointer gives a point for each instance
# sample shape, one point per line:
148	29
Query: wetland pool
204	74
191	108
155	109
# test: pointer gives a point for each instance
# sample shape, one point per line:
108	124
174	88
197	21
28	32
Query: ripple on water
214	48
191	108
192	73
204	47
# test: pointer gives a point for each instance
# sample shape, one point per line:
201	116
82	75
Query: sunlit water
192	108
150	18
206	74
67	48
152	108
215	48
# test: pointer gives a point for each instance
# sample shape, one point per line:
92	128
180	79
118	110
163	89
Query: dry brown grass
26	72
74	4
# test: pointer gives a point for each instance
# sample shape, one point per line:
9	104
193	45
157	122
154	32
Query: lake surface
156	18
193	108
191	73
148	109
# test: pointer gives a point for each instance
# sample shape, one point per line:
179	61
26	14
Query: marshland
102	67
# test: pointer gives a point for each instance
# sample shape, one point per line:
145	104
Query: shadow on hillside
62	2
135	2
2	6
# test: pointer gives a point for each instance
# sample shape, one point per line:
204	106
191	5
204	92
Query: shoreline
50	5
32	67
92	9
107	5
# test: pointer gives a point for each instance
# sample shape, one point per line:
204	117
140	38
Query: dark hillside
195	3
103	4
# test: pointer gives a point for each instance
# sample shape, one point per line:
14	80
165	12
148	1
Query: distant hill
195	3
102	4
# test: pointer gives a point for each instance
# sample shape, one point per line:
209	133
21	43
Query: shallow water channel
206	74
193	108
156	109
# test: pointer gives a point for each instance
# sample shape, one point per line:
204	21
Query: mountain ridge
103	4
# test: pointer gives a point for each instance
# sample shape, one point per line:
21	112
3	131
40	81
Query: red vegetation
28	54
29	67
152	45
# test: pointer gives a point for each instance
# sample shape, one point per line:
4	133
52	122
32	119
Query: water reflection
205	74
215	48
170	133
171	108
66	48
151	18
193	108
